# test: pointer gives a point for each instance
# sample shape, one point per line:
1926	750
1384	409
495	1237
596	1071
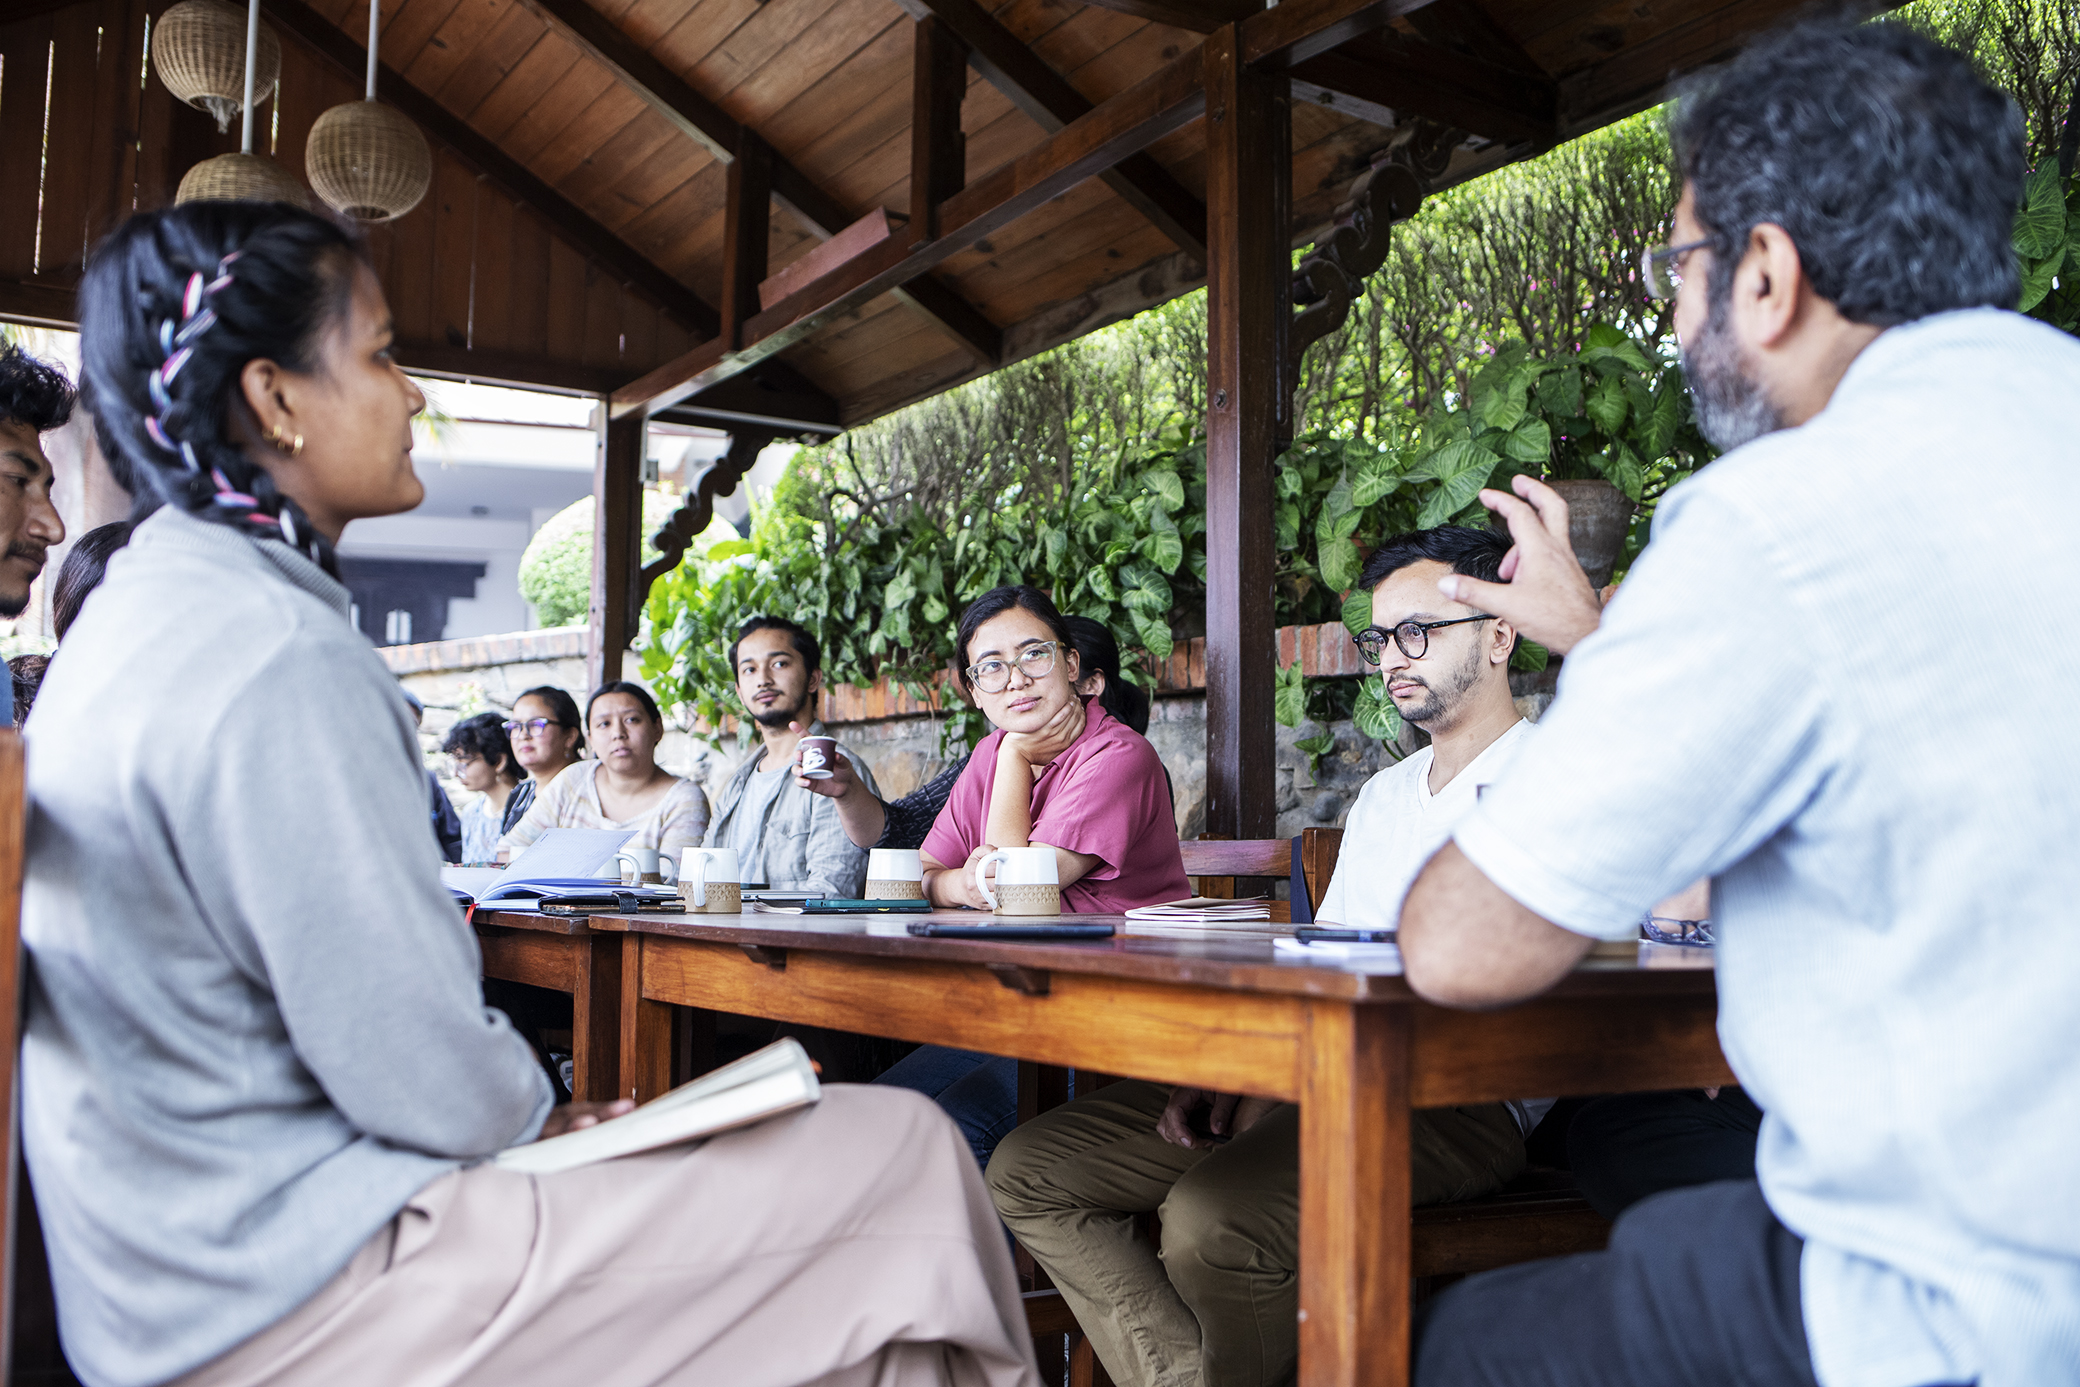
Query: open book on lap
562	863
765	1084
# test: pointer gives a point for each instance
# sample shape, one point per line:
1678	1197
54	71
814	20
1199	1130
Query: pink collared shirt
1105	797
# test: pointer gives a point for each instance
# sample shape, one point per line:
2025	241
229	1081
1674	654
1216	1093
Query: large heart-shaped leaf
1357	610
1155	635
2036	282
1530	441
1167	486
1372	485
1462	469
1375	713
2040	223
1606	405
1289	699
1340	564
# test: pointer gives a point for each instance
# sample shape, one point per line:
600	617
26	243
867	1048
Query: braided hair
173	306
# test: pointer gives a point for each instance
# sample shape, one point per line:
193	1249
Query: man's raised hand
1544	593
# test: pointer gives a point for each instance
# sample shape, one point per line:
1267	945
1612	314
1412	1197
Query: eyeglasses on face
1035	662
1412	636
1661	267
533	727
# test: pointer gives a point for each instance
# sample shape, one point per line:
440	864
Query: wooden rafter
1193	16
1047	98
1418	78
746	233
938	150
570	220
701	120
1166	101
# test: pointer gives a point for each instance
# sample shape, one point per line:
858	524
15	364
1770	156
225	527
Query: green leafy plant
2047	245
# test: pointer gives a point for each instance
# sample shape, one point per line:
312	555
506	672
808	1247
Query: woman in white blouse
624	788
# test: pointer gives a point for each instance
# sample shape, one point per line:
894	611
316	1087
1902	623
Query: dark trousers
1699	1288
1624	1148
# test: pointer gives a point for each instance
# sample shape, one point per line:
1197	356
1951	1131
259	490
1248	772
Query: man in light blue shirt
1838	683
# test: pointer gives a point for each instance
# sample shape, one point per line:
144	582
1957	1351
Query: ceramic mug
816	756
1026	882
710	881
895	874
651	867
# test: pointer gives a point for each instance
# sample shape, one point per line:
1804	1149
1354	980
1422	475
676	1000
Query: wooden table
1355	1048
566	954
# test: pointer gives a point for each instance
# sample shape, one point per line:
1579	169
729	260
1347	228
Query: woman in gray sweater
259	1077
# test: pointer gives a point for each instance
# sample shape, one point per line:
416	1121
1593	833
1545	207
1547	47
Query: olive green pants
1217	1304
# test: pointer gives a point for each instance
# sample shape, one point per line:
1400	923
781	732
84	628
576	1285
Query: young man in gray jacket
785	836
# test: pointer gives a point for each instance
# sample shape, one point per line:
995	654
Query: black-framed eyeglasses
1412	636
1035	662
533	727
1661	267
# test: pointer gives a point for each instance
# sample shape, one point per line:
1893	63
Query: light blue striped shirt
1841	682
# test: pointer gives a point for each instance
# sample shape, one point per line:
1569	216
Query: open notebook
562	862
774	1080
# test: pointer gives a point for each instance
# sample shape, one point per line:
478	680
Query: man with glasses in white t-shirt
1219	1306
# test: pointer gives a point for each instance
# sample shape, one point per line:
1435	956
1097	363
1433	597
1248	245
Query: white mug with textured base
895	874
652	868
711	882
1027	883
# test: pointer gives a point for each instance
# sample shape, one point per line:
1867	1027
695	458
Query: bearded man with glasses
1771	701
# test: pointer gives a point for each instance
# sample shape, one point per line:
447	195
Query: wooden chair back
1308	861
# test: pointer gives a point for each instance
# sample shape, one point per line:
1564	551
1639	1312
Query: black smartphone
1308	934
834	906
932	929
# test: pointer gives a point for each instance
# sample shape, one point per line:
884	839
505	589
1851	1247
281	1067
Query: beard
777	717
1440	698
11	605
1731	408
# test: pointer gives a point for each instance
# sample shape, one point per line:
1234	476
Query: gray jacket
256	1025
801	846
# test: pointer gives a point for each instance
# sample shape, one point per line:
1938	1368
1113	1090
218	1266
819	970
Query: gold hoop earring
276	436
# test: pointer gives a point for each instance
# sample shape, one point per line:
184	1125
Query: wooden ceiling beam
570	221
1047	98
1194	16
1464	27
1159	105
1297	30
707	124
1417	78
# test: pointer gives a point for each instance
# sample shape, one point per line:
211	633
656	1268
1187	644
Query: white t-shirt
1396	826
1393	829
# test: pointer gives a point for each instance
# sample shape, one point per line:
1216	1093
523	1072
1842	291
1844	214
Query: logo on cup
812	759
817	754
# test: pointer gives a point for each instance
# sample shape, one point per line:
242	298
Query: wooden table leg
596	1020
646	1030
1354	1197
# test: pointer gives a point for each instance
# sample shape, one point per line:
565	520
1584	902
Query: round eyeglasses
1661	267
1412	636
994	675
533	727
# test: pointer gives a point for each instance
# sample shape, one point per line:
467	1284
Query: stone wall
457	678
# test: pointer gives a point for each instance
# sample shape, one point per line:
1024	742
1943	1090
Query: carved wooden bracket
718	480
775	959
1336	268
1027	982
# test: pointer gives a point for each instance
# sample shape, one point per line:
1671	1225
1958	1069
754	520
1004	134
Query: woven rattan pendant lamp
199	52
367	159
245	176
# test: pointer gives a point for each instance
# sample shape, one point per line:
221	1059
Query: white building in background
503	464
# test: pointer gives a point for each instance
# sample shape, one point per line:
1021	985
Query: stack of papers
1202	910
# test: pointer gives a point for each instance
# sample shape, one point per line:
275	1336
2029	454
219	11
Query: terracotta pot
1597	514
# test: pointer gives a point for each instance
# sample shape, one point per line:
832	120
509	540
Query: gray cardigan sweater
256	1025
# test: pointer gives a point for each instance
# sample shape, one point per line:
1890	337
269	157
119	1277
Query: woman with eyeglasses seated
548	738
624	787
483	760
872	823
1059	772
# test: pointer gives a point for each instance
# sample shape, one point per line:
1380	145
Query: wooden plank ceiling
574	235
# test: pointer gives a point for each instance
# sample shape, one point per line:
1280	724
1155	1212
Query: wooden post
938	149
617	519
1248	304
746	229
1354	1196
